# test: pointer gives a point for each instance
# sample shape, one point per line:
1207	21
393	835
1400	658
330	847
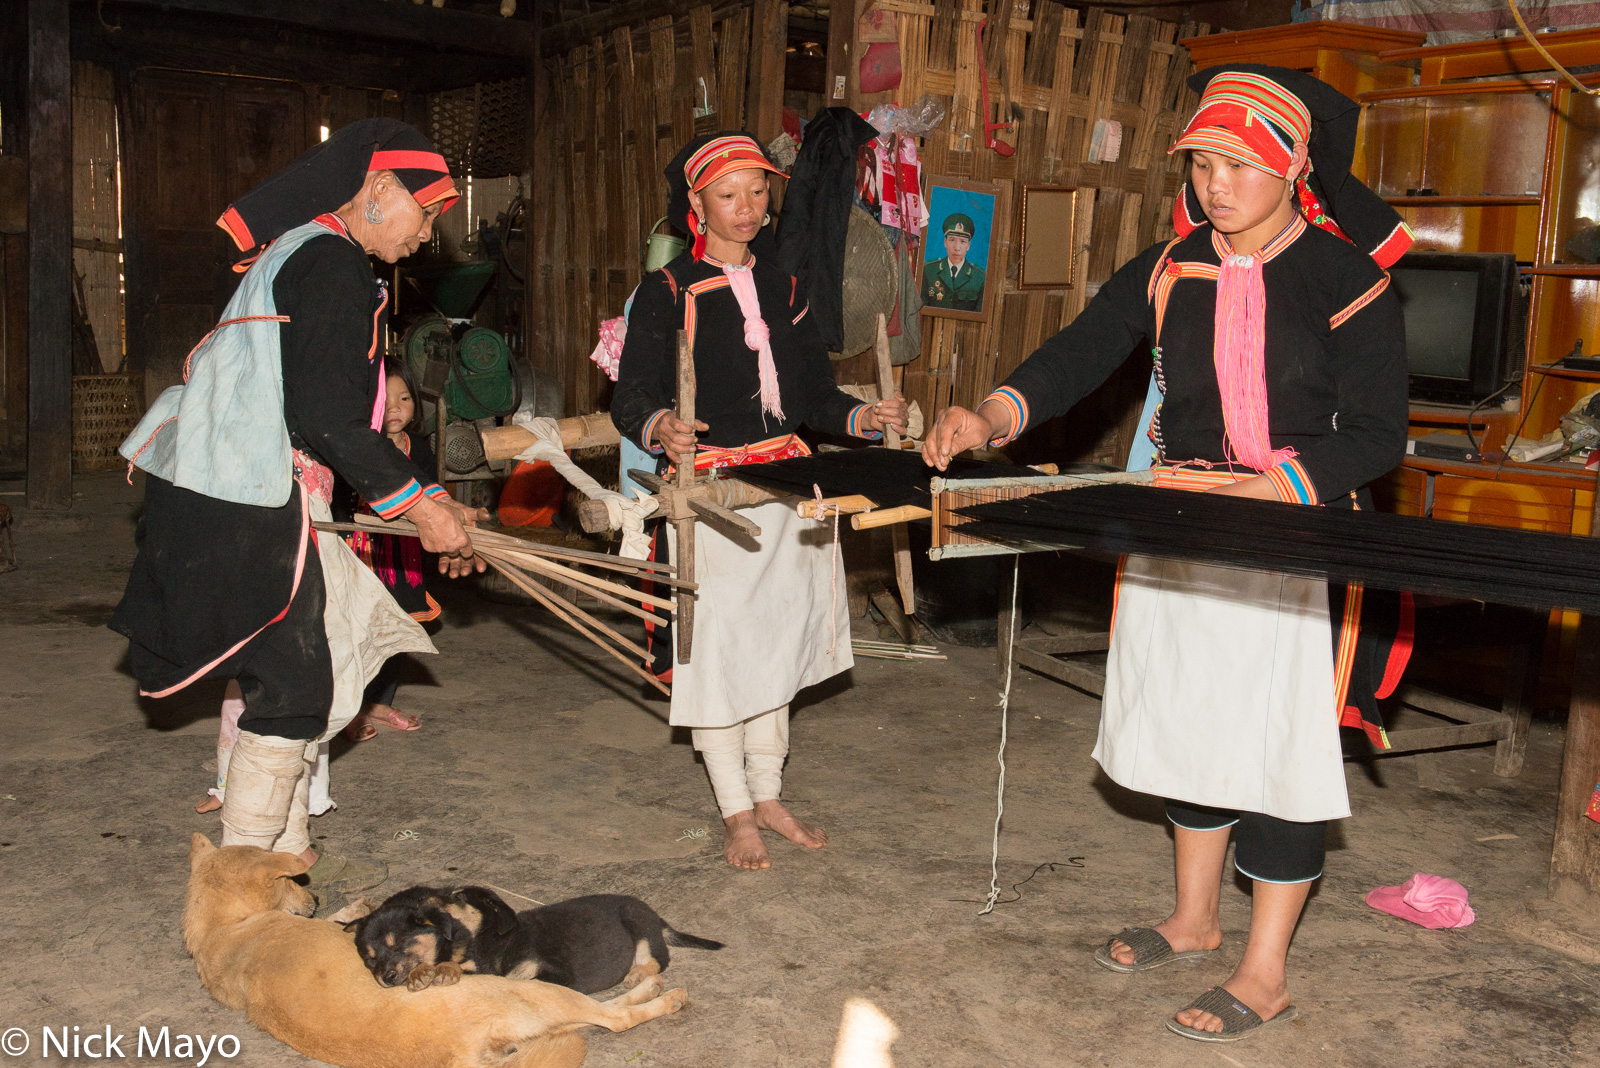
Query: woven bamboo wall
612	113
96	213
1060	71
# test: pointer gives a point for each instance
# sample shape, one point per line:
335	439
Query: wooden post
1575	860
769	42
685	523
49	257
891	439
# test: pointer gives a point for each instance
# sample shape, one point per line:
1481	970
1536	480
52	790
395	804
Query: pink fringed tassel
757	336
1240	355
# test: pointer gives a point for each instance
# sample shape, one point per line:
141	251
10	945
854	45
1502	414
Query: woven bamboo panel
481	130
105	409
1053	75
611	114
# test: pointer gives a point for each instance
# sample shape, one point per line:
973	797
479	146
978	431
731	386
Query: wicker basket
105	409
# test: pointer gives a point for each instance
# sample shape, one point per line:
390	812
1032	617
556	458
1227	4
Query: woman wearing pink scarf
771	613
1280	357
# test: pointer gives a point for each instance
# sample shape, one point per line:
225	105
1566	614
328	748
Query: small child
397	561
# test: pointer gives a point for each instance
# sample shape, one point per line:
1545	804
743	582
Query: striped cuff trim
802	315
398	501
437	492
858	415
1292	483
1016	407
649	429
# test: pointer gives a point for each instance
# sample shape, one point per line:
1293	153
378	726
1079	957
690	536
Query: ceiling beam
440	28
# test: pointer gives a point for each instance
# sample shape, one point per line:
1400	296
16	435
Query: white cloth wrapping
764	620
627	514
364	625
1220	691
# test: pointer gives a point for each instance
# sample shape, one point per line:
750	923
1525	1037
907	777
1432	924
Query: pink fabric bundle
756	335
1430	900
1240	356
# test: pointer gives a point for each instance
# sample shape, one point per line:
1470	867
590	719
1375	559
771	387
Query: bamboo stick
615	563
595	586
554	603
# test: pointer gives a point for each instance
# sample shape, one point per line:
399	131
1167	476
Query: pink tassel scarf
757	336
1240	357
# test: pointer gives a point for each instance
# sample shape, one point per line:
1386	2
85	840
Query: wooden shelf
1563	270
1488	200
1560	476
1563	372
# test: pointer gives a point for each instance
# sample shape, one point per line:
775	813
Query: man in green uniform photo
954	282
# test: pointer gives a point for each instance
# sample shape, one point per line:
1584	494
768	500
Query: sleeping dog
426	937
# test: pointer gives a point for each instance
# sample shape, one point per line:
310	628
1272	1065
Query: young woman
771	618
1281	357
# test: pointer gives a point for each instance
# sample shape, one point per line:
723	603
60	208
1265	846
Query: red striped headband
724	155
1247	117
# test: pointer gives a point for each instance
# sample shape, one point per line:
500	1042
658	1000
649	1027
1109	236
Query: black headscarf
326	176
1335	195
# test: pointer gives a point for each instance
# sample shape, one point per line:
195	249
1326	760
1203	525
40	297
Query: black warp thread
1522	568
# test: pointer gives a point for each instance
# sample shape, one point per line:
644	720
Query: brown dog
302	981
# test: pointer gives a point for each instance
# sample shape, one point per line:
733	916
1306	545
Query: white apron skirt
764	620
1220	691
365	626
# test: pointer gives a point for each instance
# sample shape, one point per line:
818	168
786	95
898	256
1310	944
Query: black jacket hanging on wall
816	215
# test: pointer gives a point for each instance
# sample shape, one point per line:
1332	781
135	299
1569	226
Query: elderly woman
1280	355
286	390
772	616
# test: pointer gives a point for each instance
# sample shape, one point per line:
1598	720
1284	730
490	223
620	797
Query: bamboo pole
685	524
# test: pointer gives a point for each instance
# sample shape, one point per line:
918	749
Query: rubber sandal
396	720
1150	950
345	875
363	728
1238	1019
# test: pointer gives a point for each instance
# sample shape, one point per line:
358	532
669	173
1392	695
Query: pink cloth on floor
1430	900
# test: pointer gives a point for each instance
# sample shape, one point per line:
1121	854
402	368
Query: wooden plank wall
611	114
1060	71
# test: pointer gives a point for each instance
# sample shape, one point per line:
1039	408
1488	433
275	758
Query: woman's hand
441	532
894	412
957	430
677	437
1258	487
465	514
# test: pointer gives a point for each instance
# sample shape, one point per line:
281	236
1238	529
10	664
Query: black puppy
425	936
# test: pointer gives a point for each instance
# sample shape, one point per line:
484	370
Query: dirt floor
543	770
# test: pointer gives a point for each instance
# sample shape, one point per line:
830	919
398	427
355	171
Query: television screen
1462	315
1440	308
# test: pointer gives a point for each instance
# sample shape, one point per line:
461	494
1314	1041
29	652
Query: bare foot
742	846
1185	936
1266	995
772	816
209	803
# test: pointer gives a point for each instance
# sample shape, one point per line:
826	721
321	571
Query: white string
833	566
1005	710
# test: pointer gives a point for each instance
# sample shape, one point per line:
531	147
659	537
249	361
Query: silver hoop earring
701	228
766	220
372	214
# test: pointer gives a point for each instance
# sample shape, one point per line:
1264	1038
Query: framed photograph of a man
958	254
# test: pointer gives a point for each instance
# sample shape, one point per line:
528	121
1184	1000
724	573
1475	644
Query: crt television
1464	317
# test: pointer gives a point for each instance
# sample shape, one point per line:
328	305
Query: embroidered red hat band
1249	118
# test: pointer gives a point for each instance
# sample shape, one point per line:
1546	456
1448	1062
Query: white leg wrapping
766	744
722	748
296	836
321	801
262	778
